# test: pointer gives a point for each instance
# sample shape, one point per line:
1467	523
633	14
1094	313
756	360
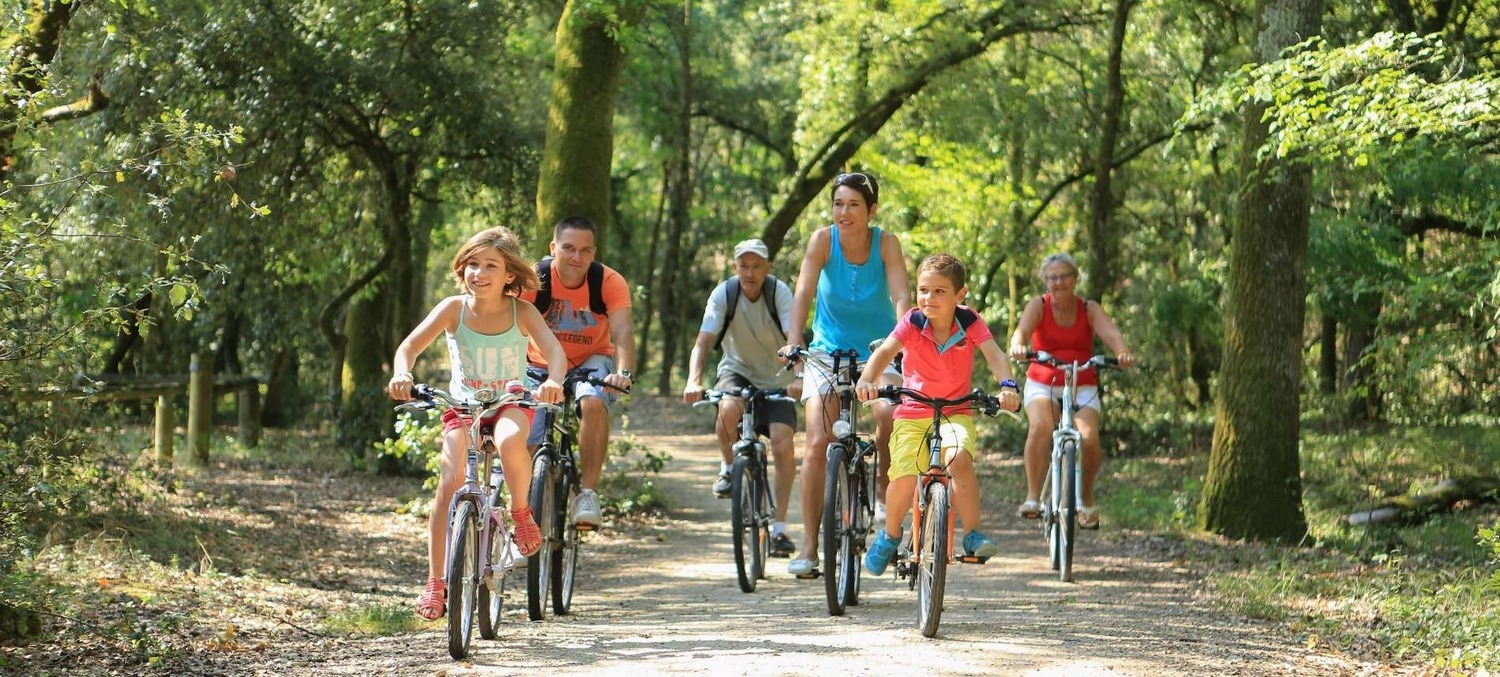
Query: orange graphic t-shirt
581	332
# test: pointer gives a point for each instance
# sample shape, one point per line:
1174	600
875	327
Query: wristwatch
627	374
1007	383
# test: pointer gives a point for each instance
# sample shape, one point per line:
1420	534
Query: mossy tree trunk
1254	489
579	145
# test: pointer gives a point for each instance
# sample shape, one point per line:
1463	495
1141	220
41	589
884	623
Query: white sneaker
801	567
880	513
721	486
586	508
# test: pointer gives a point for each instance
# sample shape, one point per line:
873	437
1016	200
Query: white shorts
816	380
1083	396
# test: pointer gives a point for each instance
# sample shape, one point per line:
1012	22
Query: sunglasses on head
857	180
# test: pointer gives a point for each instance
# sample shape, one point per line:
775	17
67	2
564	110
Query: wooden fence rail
164	388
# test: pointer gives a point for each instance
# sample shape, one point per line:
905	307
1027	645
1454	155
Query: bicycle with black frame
555	483
479	529
752	506
850	487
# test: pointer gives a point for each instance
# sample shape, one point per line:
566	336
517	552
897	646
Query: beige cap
752	246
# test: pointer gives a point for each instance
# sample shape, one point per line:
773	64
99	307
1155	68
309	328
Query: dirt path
662	599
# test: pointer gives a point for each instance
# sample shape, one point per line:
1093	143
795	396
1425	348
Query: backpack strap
732	291
595	281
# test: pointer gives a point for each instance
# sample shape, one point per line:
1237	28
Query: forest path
660	598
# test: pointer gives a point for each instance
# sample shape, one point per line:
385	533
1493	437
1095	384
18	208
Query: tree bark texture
1102	201
679	204
579	144
1254	488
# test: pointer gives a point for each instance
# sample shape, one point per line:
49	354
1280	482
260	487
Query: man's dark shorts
771	411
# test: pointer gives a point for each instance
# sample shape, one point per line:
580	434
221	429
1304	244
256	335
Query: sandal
1088	517
528	536
1031	509
434	601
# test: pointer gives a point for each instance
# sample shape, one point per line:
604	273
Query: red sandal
434	601
528	536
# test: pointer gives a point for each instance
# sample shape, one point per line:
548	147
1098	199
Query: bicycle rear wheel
1068	515
747	528
462	577
565	557
492	593
840	572
933	553
543	510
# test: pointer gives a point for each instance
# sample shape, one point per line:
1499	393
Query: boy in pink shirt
940	339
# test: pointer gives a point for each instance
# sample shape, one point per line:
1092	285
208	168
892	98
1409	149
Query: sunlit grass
375	619
1421	594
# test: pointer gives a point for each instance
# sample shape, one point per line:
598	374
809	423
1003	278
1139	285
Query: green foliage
418	443
627	486
374	619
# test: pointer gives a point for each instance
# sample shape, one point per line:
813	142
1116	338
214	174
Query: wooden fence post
249	401
200	407
166	426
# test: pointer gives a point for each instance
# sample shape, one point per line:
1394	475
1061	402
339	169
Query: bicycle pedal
810	575
973	559
586	527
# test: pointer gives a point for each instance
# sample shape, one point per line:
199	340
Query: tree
1254	488
579	148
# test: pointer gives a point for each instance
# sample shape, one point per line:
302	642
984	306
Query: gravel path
661	599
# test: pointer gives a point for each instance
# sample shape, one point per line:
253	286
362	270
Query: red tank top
1069	344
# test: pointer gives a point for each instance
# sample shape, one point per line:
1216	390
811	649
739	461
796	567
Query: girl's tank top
854	301
485	360
1069	344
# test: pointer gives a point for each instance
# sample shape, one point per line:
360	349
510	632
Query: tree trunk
281	389
1328	356
365	411
678	217
579	145
643	356
1102	201
1254	488
1363	393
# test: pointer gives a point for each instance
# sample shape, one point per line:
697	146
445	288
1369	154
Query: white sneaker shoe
879	513
586	508
801	567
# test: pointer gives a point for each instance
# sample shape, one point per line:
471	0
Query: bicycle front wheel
569	538
462	577
742	519
933	553
839	571
543	510
1068	514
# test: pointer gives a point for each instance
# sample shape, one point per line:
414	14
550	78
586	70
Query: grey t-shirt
752	340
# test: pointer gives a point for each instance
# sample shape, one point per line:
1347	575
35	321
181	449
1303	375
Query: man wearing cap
762	309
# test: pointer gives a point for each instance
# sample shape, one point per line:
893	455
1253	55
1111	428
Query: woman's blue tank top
854	302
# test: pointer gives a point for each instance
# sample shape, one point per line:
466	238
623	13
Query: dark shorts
769	412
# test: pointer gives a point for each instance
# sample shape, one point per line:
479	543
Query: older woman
1063	324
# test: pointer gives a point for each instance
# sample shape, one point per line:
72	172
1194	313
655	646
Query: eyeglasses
1054	279
856	180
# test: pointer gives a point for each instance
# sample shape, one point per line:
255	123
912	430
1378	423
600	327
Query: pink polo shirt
945	371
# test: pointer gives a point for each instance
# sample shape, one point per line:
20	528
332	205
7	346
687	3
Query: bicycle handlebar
485	399
1044	357
990	404
747	392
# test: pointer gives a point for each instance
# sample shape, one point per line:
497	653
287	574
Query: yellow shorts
909	442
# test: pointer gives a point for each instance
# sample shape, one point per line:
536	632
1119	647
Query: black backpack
595	281
769	289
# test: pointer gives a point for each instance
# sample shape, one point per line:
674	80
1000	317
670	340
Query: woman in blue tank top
856	276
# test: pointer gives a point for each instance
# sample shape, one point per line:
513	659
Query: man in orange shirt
603	342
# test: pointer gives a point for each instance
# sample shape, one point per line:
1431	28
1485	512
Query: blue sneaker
979	545
880	554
